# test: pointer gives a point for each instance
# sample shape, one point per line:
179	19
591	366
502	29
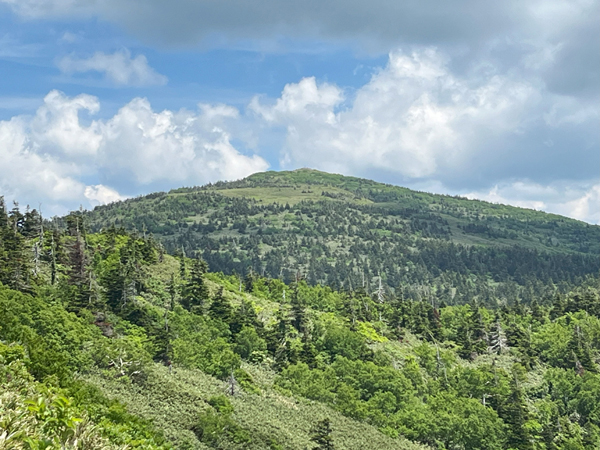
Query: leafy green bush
215	425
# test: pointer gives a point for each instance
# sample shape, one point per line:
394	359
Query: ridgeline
348	232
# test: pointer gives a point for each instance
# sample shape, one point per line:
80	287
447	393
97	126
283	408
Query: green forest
299	310
348	232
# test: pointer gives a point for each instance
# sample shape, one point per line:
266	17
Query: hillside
108	342
349	232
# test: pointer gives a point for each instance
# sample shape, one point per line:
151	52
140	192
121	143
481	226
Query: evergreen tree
245	316
79	273
298	311
537	312
309	351
497	338
278	339
580	353
559	307
220	308
513	410
249	280
321	435
14	260
195	291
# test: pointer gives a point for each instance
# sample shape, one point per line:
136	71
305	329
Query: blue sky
493	100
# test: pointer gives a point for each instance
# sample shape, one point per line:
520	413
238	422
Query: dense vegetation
108	341
347	232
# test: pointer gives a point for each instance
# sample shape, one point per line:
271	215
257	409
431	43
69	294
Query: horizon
320	171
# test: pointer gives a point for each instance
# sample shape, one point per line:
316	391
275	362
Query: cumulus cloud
50	156
41	155
416	119
413	118
101	195
178	147
56	128
418	123
576	199
119	67
32	176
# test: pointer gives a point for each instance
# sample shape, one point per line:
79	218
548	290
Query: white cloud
119	67
179	147
568	198
413	118
56	128
101	195
31	176
416	122
50	156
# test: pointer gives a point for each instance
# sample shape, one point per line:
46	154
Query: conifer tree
497	338
580	353
79	275
245	316
513	410
321	435
14	261
220	308
249	280
195	291
299	318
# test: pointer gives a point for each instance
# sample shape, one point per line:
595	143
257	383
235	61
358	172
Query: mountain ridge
341	231
327	178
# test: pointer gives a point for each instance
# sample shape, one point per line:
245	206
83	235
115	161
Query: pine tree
513	410
195	291
559	307
79	275
277	339
581	357
220	308
249	280
321	435
309	352
299	317
14	261
245	316
537	312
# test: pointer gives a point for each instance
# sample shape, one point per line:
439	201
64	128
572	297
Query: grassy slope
527	228
287	187
172	399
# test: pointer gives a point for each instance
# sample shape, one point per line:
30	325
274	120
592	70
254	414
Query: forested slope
108	342
348	232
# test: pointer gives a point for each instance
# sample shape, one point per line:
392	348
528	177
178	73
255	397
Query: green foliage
216	425
321	435
195	292
107	342
349	232
202	343
249	345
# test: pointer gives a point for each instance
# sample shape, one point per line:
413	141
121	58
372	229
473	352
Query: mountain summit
349	232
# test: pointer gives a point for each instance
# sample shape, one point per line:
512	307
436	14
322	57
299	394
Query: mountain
108	342
349	232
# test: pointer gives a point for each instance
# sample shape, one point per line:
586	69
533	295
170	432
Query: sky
101	100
